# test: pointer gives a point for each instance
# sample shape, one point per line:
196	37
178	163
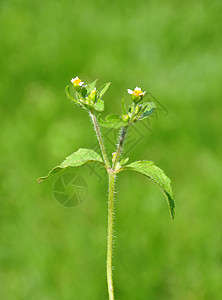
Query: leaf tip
172	212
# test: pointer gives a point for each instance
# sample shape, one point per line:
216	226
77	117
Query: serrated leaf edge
63	166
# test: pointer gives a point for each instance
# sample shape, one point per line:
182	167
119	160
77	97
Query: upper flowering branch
86	96
89	97
136	111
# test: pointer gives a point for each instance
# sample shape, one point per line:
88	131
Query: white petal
137	89
74	79
81	83
130	91
144	93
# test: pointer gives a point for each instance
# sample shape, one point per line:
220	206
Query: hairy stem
119	146
110	235
99	137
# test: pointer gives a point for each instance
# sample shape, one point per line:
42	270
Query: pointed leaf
111	121
102	90
91	86
150	106
77	159
158	176
99	105
74	98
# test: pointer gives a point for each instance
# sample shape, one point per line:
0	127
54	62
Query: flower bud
137	109
113	156
125	118
93	95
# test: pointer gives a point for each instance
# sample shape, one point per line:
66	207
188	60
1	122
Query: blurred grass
172	49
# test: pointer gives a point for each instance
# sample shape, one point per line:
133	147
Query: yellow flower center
77	81
137	92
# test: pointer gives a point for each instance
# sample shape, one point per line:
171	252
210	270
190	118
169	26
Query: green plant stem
99	137
119	147
110	234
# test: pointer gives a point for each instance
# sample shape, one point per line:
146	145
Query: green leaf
77	159
102	90
99	105
91	86
70	97
150	106
158	176
111	121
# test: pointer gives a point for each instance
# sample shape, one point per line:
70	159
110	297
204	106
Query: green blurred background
172	49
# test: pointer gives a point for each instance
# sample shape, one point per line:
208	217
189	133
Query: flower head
76	81
137	92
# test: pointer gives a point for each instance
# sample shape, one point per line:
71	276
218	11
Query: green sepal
111	121
76	159
158	176
84	91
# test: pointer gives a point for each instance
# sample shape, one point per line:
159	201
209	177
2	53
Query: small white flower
77	81
136	92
